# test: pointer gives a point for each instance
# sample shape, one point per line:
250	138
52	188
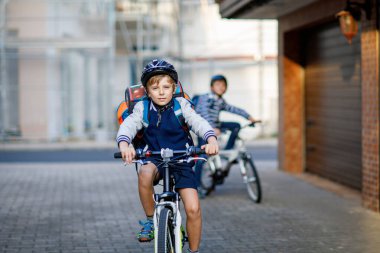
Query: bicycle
214	172
169	235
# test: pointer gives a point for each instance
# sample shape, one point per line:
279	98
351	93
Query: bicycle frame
238	153
171	200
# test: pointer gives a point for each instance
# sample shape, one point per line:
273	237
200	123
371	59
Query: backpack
195	100
135	94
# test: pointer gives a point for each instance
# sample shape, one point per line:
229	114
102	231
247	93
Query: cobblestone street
94	208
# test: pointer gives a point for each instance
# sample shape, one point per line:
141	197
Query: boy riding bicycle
159	78
210	105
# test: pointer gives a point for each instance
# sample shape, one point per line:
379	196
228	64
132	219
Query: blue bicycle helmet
218	78
158	67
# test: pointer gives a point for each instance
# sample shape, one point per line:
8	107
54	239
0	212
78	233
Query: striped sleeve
235	110
205	109
208	134
123	138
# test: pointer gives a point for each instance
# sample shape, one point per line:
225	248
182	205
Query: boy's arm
235	110
131	125
203	109
199	125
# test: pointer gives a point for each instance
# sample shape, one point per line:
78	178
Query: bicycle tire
253	181
207	178
165	237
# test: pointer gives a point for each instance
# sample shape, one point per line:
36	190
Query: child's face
219	87
162	91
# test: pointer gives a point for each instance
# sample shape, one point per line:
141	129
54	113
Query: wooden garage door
333	105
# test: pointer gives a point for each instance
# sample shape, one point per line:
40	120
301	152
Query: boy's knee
146	175
193	211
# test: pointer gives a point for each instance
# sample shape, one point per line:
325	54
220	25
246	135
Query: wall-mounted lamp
349	17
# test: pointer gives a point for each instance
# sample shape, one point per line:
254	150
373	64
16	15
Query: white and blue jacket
167	131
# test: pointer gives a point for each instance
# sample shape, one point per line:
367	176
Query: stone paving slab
94	208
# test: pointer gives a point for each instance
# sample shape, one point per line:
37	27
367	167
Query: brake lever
190	159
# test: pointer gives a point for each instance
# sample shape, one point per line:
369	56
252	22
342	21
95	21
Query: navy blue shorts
184	176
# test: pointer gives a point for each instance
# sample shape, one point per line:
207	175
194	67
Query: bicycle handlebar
252	124
140	153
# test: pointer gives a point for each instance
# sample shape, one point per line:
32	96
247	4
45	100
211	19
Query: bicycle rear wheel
165	237
207	178
252	181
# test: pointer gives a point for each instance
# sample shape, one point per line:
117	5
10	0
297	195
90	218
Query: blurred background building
64	64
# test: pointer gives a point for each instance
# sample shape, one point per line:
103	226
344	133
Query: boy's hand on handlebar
128	152
212	147
254	120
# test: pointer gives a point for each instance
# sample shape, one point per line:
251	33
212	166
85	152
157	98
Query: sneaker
146	233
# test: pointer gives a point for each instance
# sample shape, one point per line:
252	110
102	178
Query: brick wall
291	116
370	113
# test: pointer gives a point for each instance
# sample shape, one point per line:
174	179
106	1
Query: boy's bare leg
146	190
194	217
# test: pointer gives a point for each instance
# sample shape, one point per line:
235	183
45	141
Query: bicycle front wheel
252	181
165	237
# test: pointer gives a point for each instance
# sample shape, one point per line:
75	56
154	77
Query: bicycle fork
243	169
177	220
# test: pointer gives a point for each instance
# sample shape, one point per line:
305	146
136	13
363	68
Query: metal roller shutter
333	105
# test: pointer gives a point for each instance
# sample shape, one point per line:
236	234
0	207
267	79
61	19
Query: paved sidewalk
94	208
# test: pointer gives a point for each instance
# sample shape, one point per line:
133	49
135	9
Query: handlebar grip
201	152
117	155
196	151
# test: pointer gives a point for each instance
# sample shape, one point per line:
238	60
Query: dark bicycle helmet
158	67
218	78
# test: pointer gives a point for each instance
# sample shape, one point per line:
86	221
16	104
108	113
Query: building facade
64	64
328	90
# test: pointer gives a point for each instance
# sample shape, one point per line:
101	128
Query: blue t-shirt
168	133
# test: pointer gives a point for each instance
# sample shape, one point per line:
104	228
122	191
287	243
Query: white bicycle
169	235
217	168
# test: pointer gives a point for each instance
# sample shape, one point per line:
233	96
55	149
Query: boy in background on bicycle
210	105
159	78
